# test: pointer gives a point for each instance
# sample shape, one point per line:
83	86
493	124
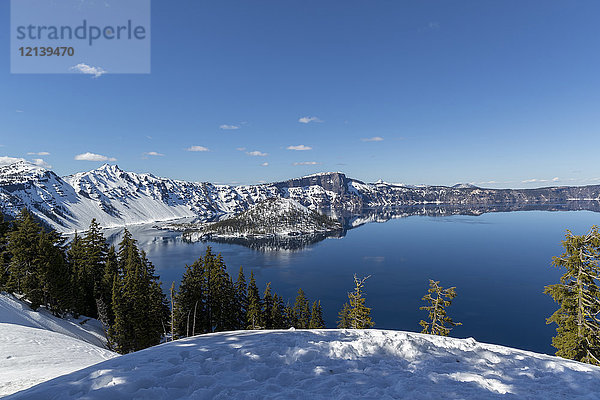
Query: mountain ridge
116	197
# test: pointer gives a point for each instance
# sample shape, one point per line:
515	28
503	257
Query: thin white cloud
89	70
40	153
373	139
19	111
533	180
431	26
257	153
240	148
265	164
299	147
41	163
154	154
306	163
229	127
5	160
306	120
197	148
93	157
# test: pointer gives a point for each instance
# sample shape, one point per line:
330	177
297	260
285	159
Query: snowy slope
13	311
326	364
36	346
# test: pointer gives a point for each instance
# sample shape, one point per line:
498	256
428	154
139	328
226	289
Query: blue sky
498	93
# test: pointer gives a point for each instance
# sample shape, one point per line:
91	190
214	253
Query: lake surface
499	263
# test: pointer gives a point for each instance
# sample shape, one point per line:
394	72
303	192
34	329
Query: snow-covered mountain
325	364
116	198
36	346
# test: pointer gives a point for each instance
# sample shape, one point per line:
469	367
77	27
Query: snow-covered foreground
29	356
331	364
36	346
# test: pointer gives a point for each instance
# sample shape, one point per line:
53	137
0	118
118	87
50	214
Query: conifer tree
253	315
157	310
54	273
95	253
301	310
344	317
289	317
316	316
190	301
267	311
139	305
277	313
104	300
4	254
241	299
438	299
578	324
25	274
76	259
359	314
220	291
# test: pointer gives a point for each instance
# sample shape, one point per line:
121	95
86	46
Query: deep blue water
499	263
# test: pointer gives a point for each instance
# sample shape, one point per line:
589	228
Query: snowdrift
326	364
36	346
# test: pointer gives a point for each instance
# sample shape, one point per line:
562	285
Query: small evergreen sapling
438	298
355	314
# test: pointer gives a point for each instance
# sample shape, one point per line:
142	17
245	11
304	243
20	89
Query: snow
13	311
31	356
36	346
326	364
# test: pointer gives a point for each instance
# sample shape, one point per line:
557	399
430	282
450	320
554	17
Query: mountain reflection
351	220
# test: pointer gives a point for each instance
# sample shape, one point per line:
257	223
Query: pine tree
359	314
76	260
241	300
106	314
253	315
316	316
139	305
95	253
25	274
190	301
4	254
578	324
267	311
156	314
277	313
289	318
54	273
220	293
301	310
438	298
344	317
